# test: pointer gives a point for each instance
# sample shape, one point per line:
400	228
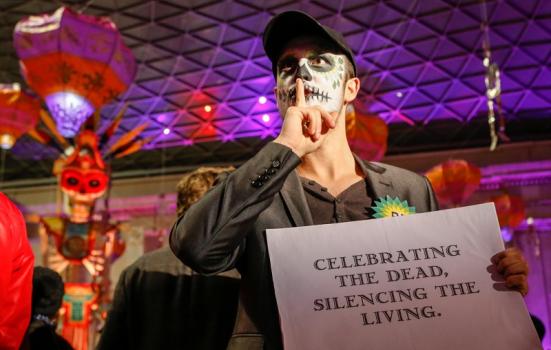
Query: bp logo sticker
389	207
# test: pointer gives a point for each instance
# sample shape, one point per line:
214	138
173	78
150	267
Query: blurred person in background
539	325
48	291
160	303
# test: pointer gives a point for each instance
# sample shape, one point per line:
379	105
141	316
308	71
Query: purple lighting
69	111
265	118
516	174
506	234
166	131
262	100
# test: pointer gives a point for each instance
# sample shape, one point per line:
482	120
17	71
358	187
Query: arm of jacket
212	234
16	272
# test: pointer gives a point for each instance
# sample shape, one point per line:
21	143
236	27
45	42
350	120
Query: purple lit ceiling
419	63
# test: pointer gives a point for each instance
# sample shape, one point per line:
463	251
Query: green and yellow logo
389	207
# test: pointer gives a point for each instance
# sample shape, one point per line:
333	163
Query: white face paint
323	75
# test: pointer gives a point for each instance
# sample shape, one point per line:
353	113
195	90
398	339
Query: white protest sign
420	281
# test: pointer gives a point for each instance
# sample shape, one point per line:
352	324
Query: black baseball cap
288	25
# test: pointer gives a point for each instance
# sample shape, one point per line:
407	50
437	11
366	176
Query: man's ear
351	89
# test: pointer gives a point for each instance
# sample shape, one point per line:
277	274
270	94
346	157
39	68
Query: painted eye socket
71	179
93	183
319	61
285	68
286	65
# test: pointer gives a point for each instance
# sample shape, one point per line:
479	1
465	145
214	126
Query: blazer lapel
295	201
381	185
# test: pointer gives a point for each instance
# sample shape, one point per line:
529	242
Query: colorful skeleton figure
322	72
82	244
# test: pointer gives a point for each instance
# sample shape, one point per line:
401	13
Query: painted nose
304	73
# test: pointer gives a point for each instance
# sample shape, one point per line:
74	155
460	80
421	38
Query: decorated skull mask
83	176
323	74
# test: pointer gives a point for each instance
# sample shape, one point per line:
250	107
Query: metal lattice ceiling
420	63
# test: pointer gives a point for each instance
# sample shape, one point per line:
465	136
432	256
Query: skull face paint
323	74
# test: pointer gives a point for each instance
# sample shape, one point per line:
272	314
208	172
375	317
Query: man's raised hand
304	126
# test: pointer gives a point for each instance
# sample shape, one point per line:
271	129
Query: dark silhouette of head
48	290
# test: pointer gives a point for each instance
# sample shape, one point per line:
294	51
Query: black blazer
160	303
226	229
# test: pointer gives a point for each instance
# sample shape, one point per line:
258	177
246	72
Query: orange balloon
367	135
510	210
454	181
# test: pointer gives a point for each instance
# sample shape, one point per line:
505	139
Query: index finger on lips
300	99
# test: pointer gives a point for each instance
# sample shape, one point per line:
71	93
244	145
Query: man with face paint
307	175
322	73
